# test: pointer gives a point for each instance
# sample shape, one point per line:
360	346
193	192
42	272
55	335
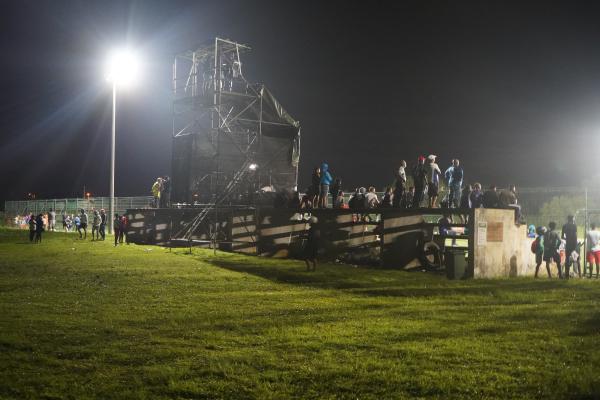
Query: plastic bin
456	263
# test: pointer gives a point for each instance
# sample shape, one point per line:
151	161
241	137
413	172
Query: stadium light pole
121	71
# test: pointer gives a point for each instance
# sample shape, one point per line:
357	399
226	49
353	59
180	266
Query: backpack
534	246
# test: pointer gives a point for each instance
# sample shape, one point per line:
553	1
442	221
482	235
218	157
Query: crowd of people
564	249
37	224
426	177
161	192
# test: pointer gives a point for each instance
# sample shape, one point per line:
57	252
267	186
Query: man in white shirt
372	199
433	180
593	250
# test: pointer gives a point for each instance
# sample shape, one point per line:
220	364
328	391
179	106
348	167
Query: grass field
82	319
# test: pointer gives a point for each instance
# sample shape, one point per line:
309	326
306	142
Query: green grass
82	319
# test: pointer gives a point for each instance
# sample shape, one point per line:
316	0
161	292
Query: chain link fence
73	205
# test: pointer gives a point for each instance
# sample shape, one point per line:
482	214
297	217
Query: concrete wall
502	248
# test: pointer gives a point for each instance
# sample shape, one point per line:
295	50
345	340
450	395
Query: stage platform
394	238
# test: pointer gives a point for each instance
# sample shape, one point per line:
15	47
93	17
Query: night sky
511	89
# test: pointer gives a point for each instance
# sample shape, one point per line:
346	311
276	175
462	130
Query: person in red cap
419	174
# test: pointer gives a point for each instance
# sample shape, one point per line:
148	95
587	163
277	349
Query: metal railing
539	205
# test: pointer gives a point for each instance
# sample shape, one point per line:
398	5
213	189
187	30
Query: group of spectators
74	222
564	249
424	192
161	192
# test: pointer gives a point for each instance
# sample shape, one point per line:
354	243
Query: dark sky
511	89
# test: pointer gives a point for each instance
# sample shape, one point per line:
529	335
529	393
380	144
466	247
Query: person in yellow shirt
156	189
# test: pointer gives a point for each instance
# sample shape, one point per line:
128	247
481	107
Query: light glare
122	68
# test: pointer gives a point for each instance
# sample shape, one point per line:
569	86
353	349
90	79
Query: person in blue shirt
326	180
454	176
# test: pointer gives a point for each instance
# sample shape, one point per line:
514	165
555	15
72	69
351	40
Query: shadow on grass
589	327
382	283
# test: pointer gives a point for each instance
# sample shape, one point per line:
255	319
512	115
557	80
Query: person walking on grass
569	234
593	250
117	228
51	220
83	222
538	247
64	221
96	225
32	228
123	229
103	224
551	246
39	228
311	249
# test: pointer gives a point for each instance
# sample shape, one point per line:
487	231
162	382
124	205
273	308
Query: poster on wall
495	232
481	233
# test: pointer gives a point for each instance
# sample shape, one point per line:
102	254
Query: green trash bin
456	263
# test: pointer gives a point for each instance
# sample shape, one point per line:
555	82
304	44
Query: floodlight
122	67
121	70
253	167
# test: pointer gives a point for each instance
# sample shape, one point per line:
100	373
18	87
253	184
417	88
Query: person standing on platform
156	188
433	180
454	176
476	196
420	181
103	224
408	197
372	199
489	199
83	223
165	193
326	180
335	188
400	186
315	185
388	198
569	234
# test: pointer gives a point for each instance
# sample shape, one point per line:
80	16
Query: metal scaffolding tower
222	123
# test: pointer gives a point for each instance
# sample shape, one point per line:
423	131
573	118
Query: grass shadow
384	282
